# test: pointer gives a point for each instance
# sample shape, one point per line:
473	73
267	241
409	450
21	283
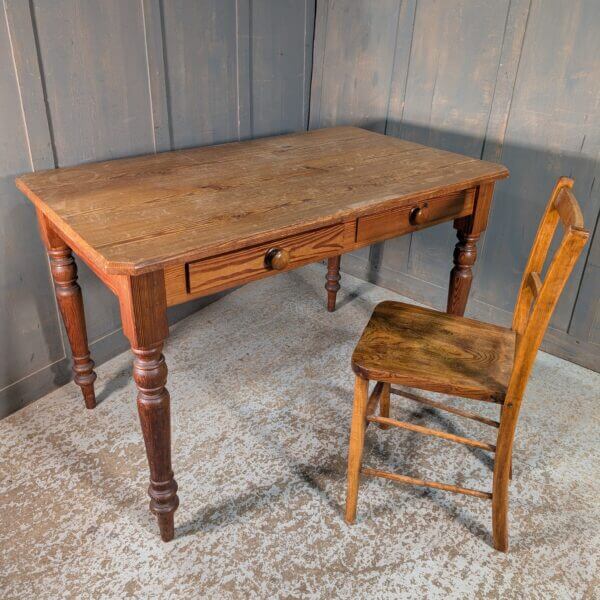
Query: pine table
163	229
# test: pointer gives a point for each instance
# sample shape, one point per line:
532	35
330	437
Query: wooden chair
430	350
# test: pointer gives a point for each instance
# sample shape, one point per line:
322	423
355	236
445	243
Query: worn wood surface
472	78
405	219
254	191
84	81
435	351
234	268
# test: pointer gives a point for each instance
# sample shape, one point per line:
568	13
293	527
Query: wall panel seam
500	142
393	69
36	88
243	69
318	63
590	244
156	73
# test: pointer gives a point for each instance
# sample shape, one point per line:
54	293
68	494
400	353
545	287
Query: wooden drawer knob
419	215
277	258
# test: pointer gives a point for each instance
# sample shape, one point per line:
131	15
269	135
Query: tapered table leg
144	315
332	284
70	304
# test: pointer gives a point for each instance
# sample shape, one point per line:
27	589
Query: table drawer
240	266
421	214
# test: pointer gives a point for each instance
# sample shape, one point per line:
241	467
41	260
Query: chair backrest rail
534	282
568	209
537	298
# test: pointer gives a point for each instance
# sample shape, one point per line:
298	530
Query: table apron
185	282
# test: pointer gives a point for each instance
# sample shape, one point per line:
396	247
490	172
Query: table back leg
333	281
70	304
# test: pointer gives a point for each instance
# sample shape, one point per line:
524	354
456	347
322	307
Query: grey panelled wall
84	80
516	81
513	81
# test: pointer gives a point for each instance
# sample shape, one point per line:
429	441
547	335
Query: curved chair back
539	294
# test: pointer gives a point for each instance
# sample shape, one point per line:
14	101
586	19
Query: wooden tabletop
137	214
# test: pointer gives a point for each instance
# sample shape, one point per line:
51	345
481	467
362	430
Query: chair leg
502	476
384	404
357	440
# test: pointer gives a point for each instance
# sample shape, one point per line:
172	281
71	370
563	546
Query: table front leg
468	230
332	284
153	402
143	310
70	304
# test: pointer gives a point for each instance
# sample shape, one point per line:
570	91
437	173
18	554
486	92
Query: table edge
80	246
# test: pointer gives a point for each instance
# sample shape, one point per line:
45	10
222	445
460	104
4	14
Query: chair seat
430	350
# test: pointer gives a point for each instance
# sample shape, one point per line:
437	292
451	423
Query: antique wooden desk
163	229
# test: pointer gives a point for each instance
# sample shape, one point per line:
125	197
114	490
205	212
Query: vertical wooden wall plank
358	62
278	66
318	63
585	324
397	97
512	44
394	253
24	51
451	80
510	56
310	7
30	337
243	21
352	78
155	60
553	129
201	51
94	66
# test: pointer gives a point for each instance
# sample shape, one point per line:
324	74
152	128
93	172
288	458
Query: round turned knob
277	258
419	215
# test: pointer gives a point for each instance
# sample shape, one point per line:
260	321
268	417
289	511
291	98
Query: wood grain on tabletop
132	215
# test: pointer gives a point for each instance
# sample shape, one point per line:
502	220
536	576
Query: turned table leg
70	303
468	230
144	315
333	281
150	375
461	276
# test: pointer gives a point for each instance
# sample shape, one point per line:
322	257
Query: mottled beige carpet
261	399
